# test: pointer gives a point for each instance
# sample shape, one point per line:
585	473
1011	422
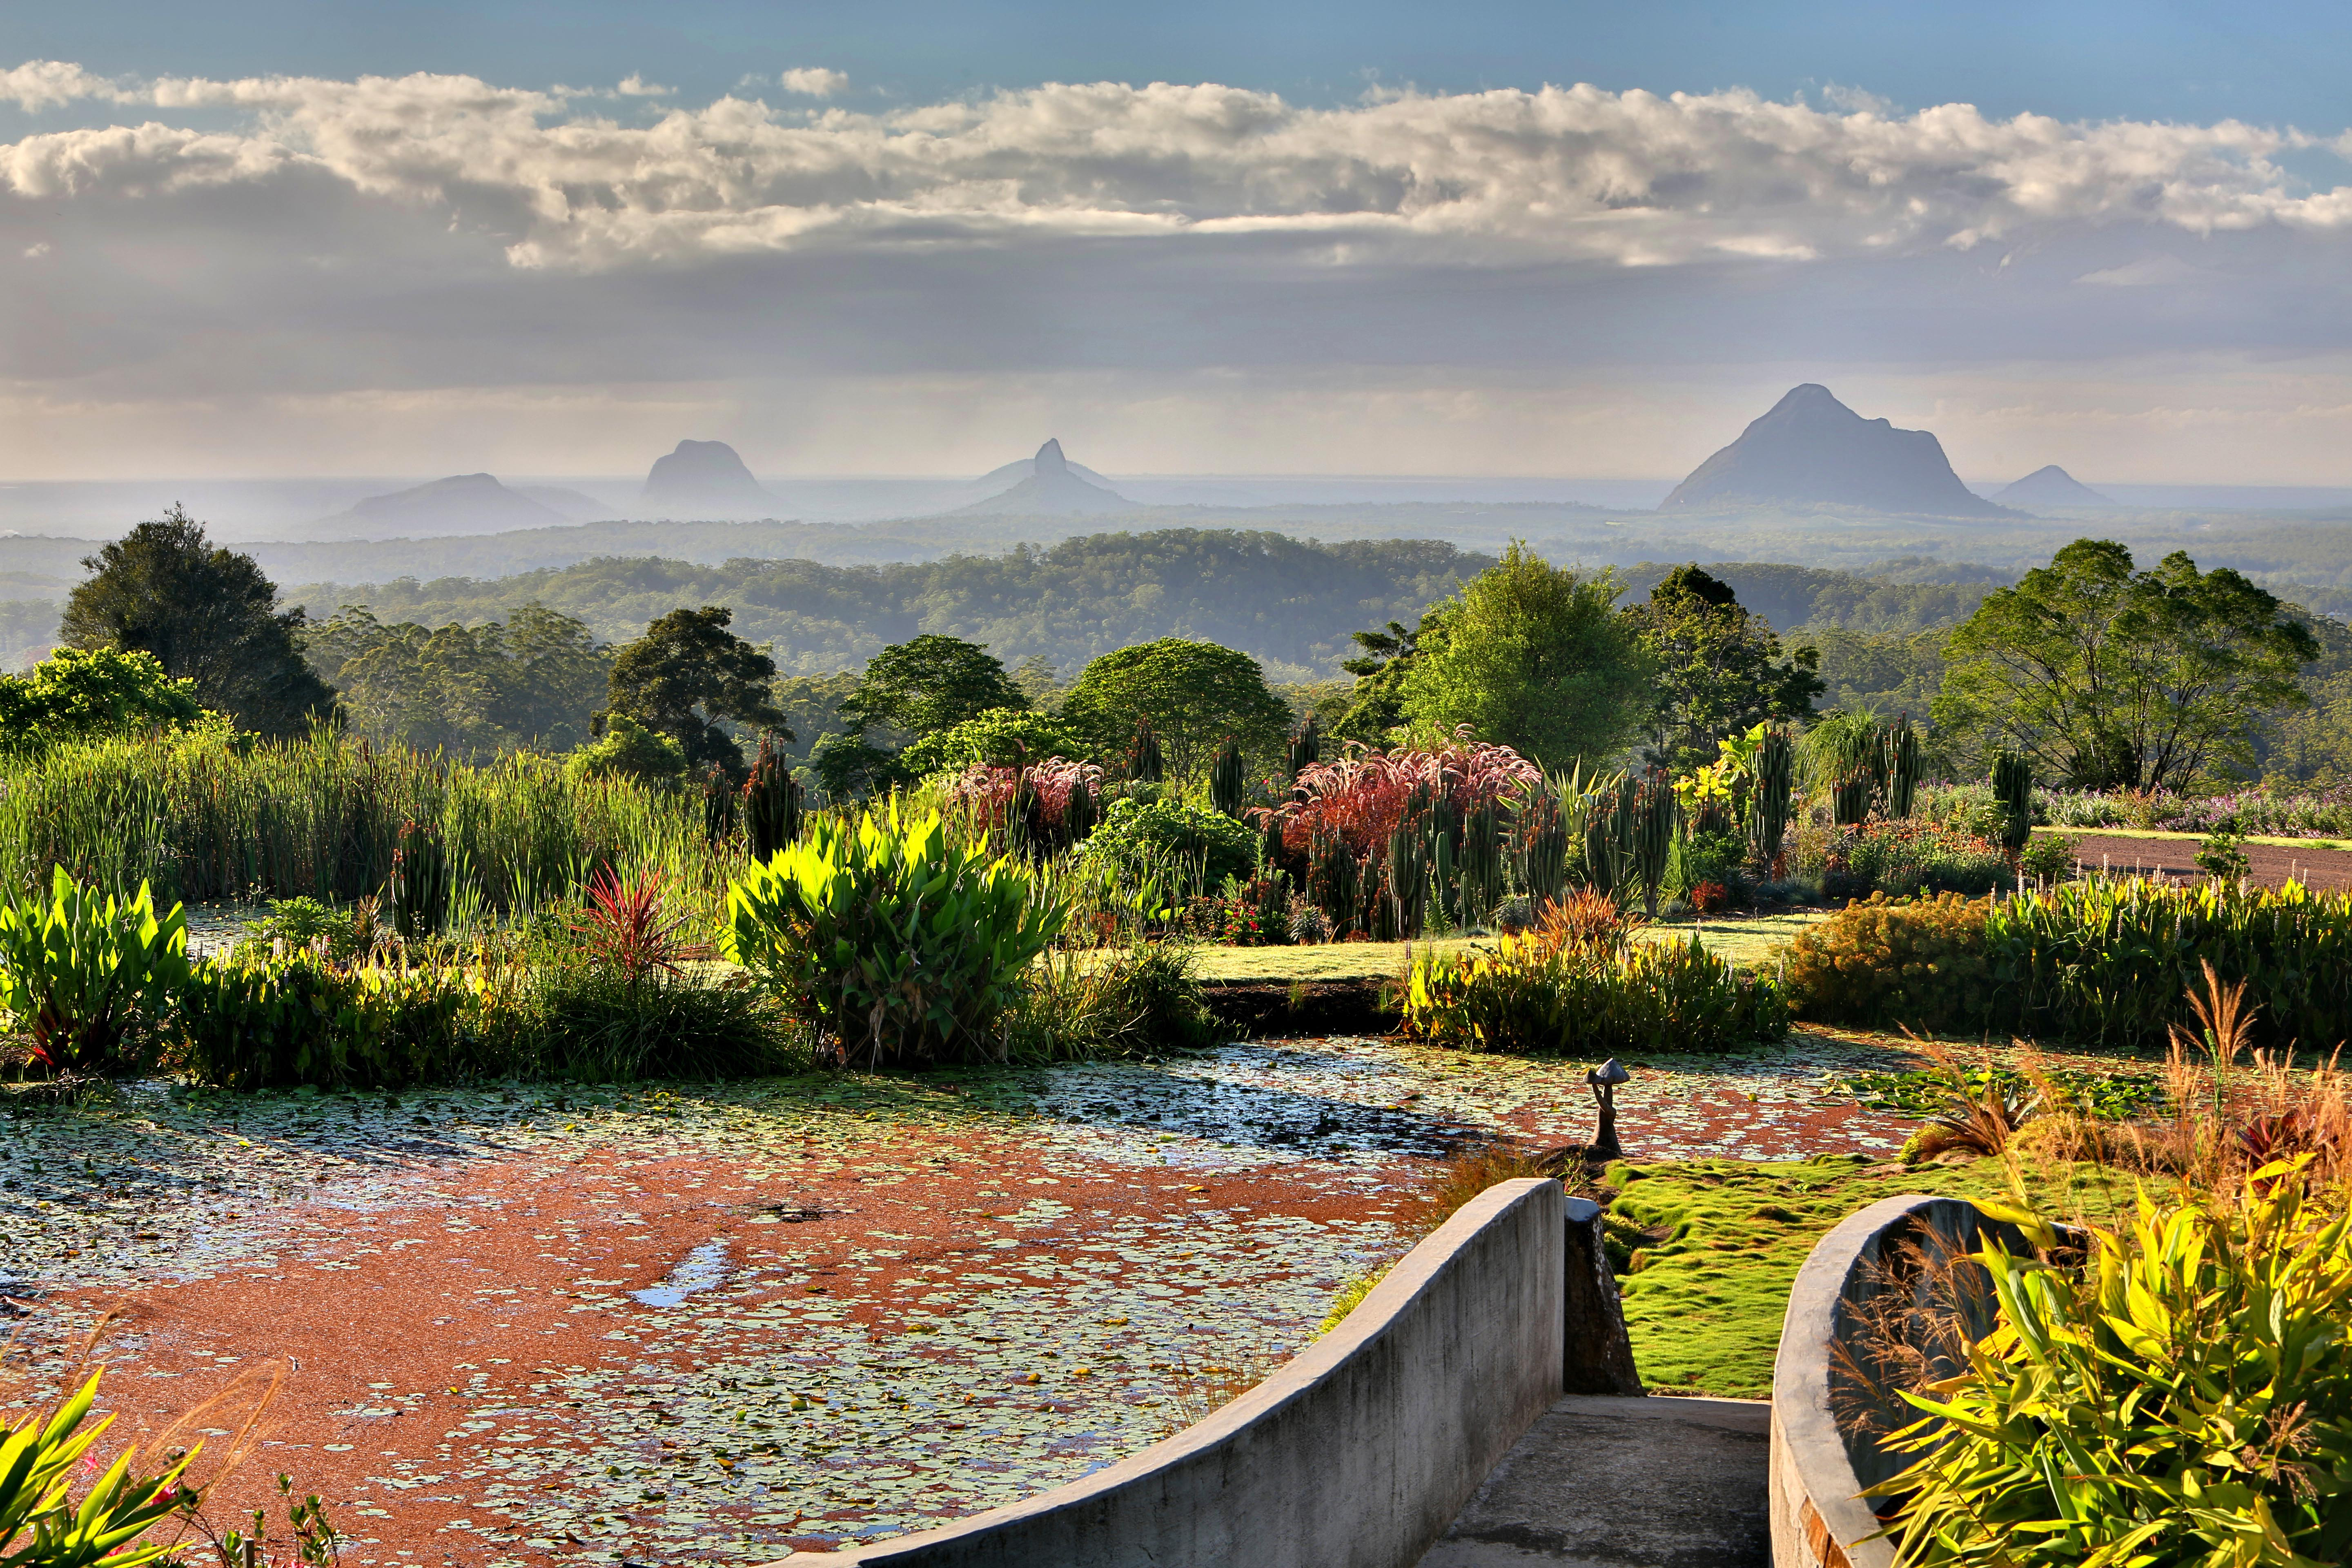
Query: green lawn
1743	939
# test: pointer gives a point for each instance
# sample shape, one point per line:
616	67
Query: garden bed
2269	862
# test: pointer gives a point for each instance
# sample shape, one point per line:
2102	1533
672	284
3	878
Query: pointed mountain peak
1810	449
2051	485
1049	457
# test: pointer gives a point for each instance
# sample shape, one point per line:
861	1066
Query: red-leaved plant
1362	795
630	929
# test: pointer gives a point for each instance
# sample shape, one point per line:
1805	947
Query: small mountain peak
1049	457
2051	485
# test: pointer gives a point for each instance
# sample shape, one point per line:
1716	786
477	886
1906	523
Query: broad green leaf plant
901	948
2182	1397
81	973
41	1525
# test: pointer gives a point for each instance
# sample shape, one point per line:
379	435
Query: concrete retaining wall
1820	1464
1357	1454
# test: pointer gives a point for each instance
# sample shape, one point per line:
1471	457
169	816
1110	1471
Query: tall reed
208	817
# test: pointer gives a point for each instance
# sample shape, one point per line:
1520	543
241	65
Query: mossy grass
1716	1244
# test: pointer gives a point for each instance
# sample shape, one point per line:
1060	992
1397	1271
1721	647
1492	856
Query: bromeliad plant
84	975
2183	1397
41	1523
901	948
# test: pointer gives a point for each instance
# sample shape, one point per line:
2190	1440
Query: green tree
1384	659
929	684
530	682
74	695
1194	693
688	678
2110	677
627	750
208	616
1720	670
1537	657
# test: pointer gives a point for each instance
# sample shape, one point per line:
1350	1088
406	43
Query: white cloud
813	81
2149	272
636	86
48	84
34	251
1507	177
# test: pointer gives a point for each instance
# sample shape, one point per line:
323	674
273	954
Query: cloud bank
1573	174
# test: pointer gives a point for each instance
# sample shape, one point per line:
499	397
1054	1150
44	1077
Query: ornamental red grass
1363	795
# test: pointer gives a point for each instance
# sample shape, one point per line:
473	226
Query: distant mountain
2051	485
1020	468
1051	489
1812	449
576	506
462	503
704	480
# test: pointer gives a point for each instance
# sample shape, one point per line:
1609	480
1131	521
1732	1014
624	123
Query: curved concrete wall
1356	1455
1819	1466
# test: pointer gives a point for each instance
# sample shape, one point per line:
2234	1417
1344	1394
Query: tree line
2106	674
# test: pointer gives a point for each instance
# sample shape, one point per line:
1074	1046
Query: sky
1525	238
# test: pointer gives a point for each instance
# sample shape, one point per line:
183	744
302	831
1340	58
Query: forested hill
1290	603
1808	597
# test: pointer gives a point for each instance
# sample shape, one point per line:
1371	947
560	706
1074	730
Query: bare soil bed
2174	859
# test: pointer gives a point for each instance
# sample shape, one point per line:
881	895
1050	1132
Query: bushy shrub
78	694
265	1015
1139	839
1362	796
89	977
1137	1000
579	1019
898	948
626	750
1000	738
1879	963
2050	857
1595	1000
2183	1396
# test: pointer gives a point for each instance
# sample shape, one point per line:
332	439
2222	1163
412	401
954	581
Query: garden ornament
1605	1081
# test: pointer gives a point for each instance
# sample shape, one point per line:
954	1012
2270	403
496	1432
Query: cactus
1610	858
717	806
1271	855
1654	816
1145	762
1226	779
1078	815
2012	791
1480	863
1305	749
1331	882
772	805
1404	882
419	892
1771	801
1902	770
1851	796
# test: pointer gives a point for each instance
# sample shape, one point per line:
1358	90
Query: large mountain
704	479
1813	451
462	503
1051	489
2051	486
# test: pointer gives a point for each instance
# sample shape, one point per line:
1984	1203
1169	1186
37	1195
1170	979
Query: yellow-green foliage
41	1523
1350	1297
1590	999
2111	962
2185	1398
1919	962
900	947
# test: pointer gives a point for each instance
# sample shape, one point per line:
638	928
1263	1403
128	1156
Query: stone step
1602	1482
